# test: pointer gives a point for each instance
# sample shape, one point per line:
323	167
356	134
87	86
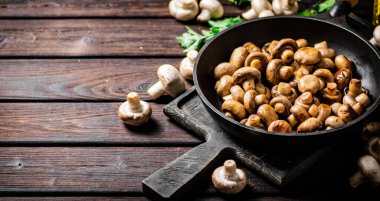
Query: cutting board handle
182	174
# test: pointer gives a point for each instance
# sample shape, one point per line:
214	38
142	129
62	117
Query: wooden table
65	67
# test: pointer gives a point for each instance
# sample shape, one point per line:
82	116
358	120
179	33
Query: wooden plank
78	79
84	123
86	170
94	8
90	37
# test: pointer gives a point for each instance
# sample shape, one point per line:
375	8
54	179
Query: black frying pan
341	39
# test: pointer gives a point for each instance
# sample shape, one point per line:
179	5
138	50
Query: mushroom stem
156	90
230	167
134	102
204	16
356	179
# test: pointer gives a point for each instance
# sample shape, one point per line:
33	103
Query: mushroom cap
256	56
267	114
342	78
266	13
284	89
284	102
299	113
342	62
224	68
246	73
183	10
249	101
187	64
376	34
135	115
283	44
346	113
273	71
309	83
215	7
374	147
238	56
224	85
310	125
334	122
324	74
307	56
234	107
254	121
171	79
251	47
280	126
302	42
228	179
331	94
237	93
325	63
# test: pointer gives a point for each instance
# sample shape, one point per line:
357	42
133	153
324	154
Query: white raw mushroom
266	13
228	179
210	9
170	81
257	6
184	10
134	111
187	64
375	40
285	7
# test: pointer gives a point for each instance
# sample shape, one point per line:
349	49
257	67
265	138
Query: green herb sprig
318	8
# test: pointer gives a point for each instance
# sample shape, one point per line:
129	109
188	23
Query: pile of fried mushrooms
287	85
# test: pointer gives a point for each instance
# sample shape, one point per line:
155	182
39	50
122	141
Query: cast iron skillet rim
293	134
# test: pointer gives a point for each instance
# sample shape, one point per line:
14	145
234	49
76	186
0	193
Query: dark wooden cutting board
179	176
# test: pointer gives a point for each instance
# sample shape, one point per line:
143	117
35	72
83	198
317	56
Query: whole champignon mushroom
224	85
134	111
247	77
281	105
324	50
299	115
309	83
237	93
342	78
235	108
251	47
325	76
369	170
375	40
307	56
346	113
228	179
310	125
363	98
356	106
373	148
331	94
276	71
223	69
257	7
267	114
335	108
261	89
284	89
254	121
285	7
321	112
341	62
183	10
284	49
261	99
325	63
333	122
210	9
238	56
355	88
249	101
306	100
187	64
280	126
170	81
257	60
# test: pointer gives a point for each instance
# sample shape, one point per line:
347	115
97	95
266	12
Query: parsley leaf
239	2
325	6
192	40
308	12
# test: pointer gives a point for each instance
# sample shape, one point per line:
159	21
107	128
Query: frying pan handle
182	174
340	8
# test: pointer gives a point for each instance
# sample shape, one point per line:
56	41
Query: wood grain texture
84	123
93	8
78	79
90	37
86	170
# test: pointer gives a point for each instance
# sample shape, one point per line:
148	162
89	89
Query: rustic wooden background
66	66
